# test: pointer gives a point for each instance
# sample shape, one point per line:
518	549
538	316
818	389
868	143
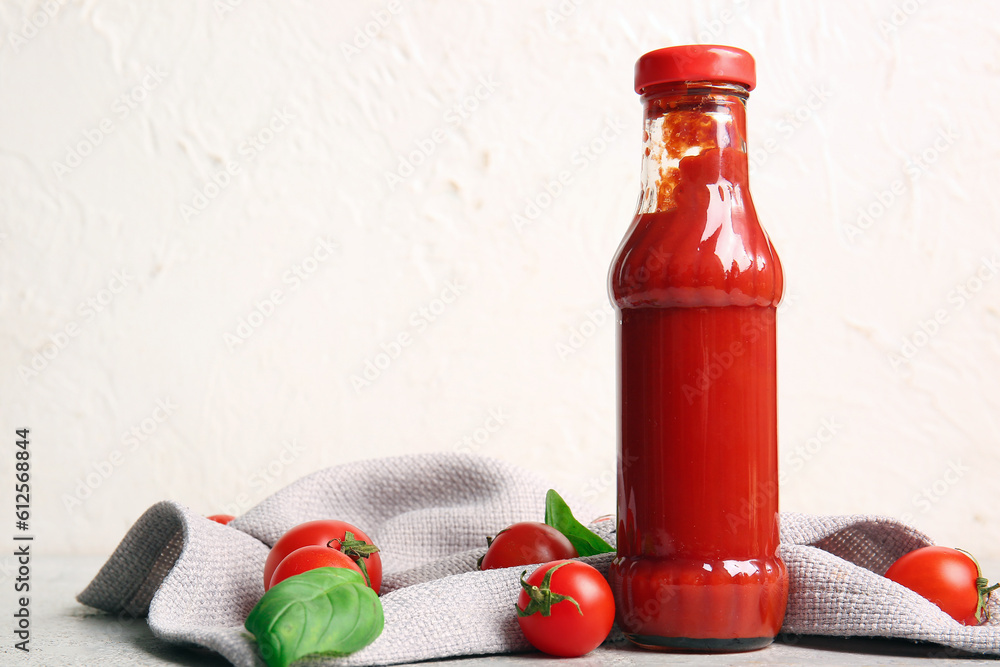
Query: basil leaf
559	516
328	610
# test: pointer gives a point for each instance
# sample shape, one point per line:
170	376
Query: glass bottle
695	285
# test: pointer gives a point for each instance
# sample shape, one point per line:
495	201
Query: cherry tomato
328	532
309	558
526	543
565	608
221	518
949	578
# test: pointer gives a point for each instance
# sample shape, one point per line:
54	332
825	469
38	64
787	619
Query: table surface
67	634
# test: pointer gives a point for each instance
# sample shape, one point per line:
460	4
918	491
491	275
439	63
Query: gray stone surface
67	634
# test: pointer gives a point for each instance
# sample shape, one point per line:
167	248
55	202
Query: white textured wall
258	108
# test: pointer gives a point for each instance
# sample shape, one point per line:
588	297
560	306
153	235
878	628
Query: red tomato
221	518
949	578
327	533
526	543
565	608
309	558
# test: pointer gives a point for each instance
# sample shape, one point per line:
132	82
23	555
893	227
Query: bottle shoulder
714	253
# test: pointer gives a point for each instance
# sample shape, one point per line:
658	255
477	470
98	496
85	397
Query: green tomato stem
983	588
541	598
489	543
357	550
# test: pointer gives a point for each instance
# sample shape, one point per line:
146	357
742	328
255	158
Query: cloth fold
195	580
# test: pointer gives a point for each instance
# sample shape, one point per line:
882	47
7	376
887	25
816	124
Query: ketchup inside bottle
695	285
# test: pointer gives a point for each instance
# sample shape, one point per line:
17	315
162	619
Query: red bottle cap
695	62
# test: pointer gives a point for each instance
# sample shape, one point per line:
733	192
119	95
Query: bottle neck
691	129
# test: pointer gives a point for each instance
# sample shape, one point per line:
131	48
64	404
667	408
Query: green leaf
328	610
559	516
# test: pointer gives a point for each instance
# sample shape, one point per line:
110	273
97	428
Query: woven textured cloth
196	580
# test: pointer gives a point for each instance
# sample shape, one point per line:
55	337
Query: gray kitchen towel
196	580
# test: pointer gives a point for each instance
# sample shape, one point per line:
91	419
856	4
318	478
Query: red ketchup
695	284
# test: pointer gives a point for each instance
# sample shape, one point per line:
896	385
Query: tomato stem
983	588
541	598
489	543
356	549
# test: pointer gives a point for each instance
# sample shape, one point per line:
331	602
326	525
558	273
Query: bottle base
700	644
698	605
